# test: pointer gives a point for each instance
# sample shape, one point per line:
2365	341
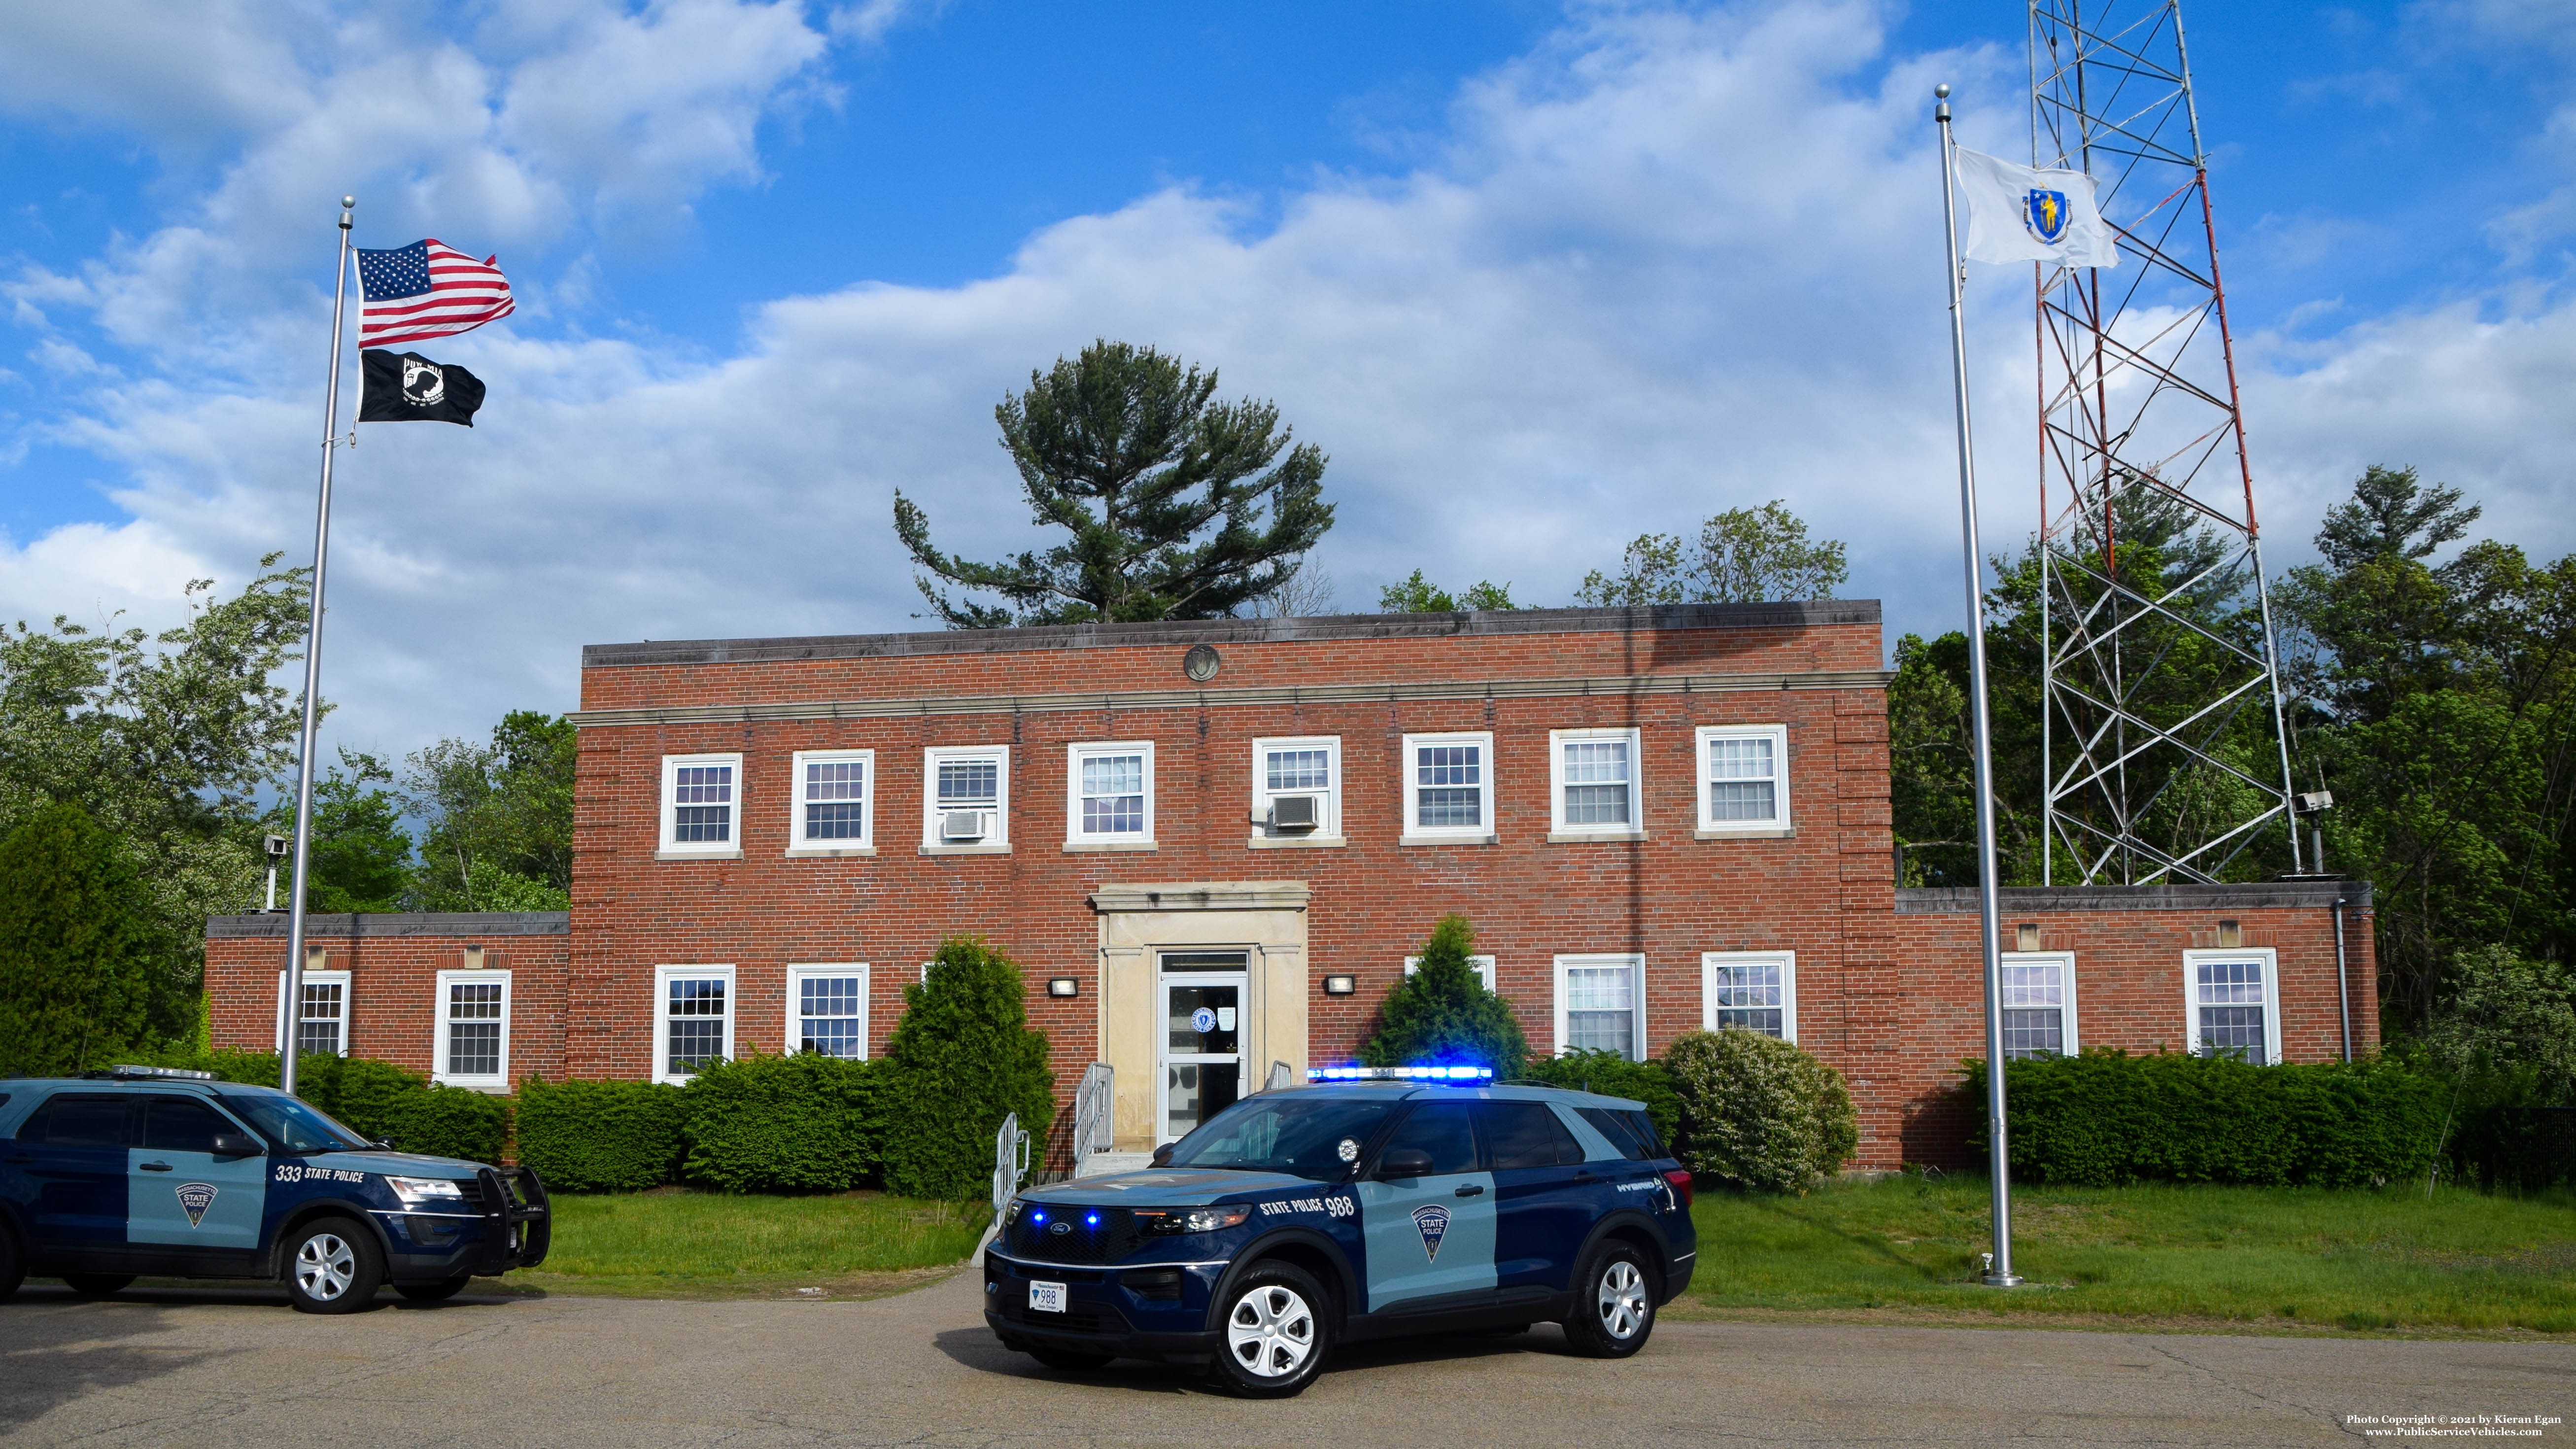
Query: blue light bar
1399	1074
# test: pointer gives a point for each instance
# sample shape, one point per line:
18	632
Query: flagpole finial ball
348	203
1941	92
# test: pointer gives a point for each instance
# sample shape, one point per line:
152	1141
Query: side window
1632	1133
966	799
834	810
1527	1134
700	794
1743	779
1448	789
83	1122
1442	1130
181	1124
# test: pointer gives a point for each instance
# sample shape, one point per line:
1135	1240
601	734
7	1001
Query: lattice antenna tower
2164	756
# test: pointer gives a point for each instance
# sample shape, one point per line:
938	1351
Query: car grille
1111	1242
475	1200
1077	1318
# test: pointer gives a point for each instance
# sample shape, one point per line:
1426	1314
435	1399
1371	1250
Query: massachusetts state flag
2019	214
425	290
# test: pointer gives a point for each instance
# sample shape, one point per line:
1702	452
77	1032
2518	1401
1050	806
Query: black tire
98	1285
1274	1331
1614	1303
438	1292
1066	1360
13	1266
332	1266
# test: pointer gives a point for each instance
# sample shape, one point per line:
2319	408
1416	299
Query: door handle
1587	1177
1470	1190
156	1167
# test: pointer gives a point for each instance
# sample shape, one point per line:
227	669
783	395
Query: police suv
148	1170
1305	1217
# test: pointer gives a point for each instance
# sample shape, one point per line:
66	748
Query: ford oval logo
1061	1228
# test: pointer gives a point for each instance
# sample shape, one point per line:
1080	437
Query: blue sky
1538	277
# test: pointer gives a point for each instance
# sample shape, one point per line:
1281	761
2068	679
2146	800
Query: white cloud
1664	265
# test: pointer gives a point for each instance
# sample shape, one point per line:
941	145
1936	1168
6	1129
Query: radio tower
2163	747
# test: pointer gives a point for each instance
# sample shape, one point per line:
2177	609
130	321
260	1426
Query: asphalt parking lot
204	1369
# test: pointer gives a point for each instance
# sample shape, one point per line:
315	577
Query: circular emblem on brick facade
1200	663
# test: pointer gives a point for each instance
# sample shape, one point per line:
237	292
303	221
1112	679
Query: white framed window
1593	786
1109	794
2038	1004
1297	791
692	1019
701	805
473	1045
321	1016
1448	789
966	799
1743	779
832	809
1484	970
1601	1004
1749	991
827	1009
2234	1002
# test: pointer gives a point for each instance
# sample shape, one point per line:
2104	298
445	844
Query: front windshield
1285	1132
294	1126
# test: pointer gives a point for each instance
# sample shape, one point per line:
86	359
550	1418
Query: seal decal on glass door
1432	1221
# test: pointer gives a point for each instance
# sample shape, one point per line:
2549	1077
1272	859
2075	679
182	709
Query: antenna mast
2163	745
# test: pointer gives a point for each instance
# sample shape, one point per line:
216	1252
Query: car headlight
428	1194
1012	1213
1193	1220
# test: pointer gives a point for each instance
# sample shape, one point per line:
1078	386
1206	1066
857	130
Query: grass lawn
672	1243
2273	1259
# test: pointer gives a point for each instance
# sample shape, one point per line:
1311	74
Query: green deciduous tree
1178	506
77	966
361	853
497	818
963	1057
1742	556
1443	1014
1418	595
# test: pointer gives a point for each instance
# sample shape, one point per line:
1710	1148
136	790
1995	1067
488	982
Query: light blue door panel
1424	1240
202	1201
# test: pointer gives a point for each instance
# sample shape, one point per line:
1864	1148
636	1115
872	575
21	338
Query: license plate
1046	1298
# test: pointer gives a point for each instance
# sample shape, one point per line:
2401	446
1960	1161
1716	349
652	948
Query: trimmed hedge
2106	1118
1759	1112
602	1136
378	1099
799	1123
962	1058
1611	1074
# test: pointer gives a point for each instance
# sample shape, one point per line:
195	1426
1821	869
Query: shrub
1613	1075
2105	1118
1758	1112
384	1102
781	1124
1443	1014
75	954
601	1136
962	1058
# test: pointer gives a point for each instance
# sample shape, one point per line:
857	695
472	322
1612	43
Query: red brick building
1216	842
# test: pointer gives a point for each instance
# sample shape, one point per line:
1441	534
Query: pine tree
75	957
963	1057
1442	1014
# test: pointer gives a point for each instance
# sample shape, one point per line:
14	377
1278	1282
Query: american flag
425	290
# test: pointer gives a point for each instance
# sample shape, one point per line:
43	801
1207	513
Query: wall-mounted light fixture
1341	985
1064	986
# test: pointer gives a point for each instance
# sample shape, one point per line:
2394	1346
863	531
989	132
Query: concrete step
1101	1164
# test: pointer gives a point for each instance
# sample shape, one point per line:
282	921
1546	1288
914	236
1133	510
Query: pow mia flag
405	387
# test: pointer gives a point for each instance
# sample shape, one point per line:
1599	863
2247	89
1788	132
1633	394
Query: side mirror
1163	1155
234	1144
1404	1162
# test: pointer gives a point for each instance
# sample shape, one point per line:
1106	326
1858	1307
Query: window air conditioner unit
1297	812
961	825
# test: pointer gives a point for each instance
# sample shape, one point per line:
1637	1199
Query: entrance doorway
1202	997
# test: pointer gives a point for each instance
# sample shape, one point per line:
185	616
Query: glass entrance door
1203	1031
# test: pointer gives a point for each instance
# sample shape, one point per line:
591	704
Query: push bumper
512	1226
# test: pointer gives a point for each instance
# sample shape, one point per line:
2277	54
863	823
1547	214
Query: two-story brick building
1212	845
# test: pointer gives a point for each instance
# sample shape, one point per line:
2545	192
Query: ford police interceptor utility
147	1170
1310	1216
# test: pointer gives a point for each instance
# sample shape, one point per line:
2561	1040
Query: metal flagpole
294	1004
1999	1271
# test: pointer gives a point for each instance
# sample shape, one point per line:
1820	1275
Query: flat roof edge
393	923
1480	623
2248	896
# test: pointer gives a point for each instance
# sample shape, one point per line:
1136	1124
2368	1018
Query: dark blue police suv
1305	1217
145	1170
